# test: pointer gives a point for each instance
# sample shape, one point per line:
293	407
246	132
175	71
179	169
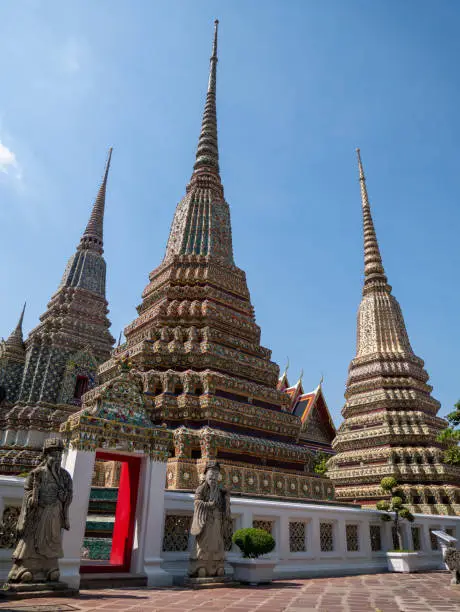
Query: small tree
253	542
451	437
394	504
320	463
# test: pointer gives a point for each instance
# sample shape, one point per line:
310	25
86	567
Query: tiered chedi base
207	378
391	429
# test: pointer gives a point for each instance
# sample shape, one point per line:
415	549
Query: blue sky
300	85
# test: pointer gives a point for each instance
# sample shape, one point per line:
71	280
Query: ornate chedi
197	347
390	425
43	380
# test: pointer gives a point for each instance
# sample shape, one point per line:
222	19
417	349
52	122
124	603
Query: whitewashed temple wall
311	539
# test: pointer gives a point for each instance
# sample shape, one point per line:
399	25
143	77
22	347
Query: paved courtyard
382	593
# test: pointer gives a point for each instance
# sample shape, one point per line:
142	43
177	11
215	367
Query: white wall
312	562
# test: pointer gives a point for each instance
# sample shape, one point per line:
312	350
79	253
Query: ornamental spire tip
207	154
93	235
374	273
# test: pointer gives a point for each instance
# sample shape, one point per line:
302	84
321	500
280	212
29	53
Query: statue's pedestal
38	589
210	582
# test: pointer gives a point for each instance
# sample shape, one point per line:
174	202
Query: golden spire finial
214	44
374	274
93	235
207	154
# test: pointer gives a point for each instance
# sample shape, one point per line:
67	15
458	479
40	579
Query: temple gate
113	425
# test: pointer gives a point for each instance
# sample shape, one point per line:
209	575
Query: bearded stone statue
211	520
44	513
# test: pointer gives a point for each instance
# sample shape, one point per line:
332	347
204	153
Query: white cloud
7	159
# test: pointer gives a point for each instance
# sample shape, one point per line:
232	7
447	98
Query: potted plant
398	559
250	568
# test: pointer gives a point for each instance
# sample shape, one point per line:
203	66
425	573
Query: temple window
198	390
416	499
430	499
263	524
176	532
416	539
81	387
352	538
228	535
433	539
376	537
158	389
445	499
394	537
297	536
326	537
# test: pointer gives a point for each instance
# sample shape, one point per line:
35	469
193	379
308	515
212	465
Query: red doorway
125	515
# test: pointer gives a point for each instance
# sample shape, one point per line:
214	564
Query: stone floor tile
428	592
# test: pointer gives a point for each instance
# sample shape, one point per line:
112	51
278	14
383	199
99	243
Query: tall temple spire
207	154
92	237
13	346
374	273
16	337
86	268
201	224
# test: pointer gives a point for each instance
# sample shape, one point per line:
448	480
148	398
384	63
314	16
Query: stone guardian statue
44	513
211	520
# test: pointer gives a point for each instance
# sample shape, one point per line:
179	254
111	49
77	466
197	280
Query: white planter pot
403	561
253	571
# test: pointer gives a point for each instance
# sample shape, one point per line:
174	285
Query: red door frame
125	516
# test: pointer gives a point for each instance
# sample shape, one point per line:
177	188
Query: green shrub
388	483
405	513
320	463
253	542
396	501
